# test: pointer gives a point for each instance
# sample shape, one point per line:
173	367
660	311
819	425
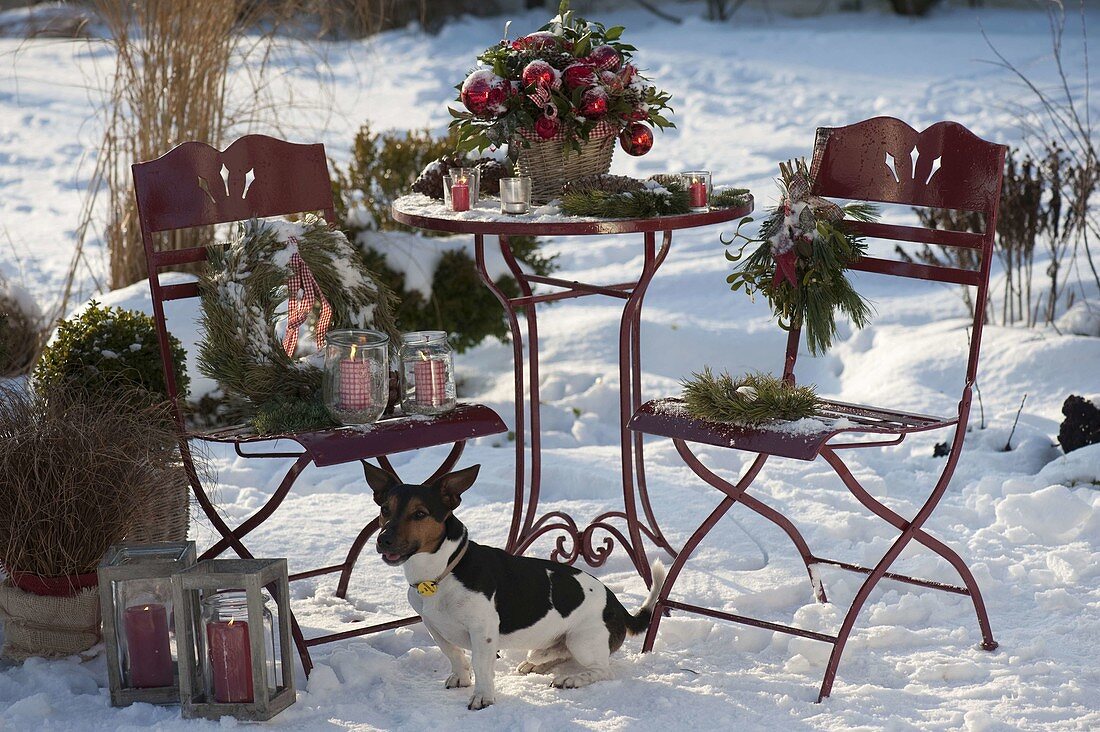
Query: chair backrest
884	160
195	185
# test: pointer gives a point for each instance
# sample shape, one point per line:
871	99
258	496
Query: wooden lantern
136	598
234	650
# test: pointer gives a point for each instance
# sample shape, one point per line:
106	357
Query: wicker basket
550	165
166	518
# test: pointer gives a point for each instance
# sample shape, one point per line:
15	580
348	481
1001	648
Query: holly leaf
614	33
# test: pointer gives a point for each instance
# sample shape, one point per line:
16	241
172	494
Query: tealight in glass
515	196
698	187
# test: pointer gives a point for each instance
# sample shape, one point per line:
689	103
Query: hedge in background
383	167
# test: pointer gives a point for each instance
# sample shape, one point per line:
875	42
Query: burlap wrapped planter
50	626
550	164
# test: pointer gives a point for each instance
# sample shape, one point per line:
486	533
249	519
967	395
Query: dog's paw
525	668
573	681
480	701
538	668
456	681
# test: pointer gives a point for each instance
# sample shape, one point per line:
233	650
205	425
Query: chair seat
385	437
801	439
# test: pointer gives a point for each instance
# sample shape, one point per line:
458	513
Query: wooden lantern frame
157	561
251	576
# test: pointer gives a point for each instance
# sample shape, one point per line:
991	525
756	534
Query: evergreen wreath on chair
323	279
804	252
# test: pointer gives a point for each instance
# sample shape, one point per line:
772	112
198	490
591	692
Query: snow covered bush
109	348
438	286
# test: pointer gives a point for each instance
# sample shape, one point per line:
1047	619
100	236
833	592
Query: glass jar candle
356	376
698	187
515	196
227	658
427	373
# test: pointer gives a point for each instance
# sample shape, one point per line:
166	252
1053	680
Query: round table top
485	218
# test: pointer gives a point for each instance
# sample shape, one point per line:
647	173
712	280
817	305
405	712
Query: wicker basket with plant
559	97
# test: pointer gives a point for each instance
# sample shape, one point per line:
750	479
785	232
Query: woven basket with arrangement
558	98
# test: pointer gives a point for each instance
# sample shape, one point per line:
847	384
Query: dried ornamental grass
76	475
21	335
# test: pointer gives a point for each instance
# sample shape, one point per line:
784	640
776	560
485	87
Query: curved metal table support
628	527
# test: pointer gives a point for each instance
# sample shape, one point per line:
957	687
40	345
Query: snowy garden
491	215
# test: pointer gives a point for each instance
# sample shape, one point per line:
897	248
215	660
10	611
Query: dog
483	599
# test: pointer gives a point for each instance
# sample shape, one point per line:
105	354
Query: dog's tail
639	621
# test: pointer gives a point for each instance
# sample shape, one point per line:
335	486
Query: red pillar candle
460	195
230	661
431	382
698	193
147	646
355	387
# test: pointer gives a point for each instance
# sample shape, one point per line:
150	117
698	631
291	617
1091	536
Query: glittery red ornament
611	80
537	41
594	103
475	95
578	75
636	139
639	113
497	96
546	127
605	58
540	73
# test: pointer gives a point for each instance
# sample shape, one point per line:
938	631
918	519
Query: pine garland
663	197
241	290
752	400
822	251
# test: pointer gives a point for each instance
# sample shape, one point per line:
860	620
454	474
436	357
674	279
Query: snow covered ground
746	96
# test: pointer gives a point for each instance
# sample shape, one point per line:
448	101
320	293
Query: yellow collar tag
427	588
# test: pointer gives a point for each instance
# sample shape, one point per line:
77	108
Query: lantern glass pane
146	632
227	649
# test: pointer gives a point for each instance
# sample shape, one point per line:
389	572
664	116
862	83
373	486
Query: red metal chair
881	160
258	176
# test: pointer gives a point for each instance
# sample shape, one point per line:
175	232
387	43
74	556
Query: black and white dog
483	599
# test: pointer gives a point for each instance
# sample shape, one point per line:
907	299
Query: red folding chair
881	160
258	176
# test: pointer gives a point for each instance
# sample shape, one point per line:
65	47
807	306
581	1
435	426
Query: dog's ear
452	485
380	481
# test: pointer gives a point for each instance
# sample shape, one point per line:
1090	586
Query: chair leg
921	536
353	556
766	511
732	493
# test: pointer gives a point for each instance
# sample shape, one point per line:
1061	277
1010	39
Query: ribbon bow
303	293
797	205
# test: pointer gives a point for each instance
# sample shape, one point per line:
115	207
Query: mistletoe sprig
566	79
800	263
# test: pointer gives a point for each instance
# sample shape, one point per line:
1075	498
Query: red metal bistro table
527	525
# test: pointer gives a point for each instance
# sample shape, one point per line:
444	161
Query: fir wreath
241	291
617	197
751	400
799	266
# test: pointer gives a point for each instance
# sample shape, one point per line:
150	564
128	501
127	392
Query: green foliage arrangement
385	166
564	80
799	264
646	200
240	291
107	349
750	400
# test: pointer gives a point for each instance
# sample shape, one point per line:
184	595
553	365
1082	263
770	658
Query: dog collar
427	588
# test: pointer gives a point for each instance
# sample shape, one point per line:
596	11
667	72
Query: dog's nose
385	539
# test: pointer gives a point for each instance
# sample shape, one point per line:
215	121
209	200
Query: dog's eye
385	511
421	514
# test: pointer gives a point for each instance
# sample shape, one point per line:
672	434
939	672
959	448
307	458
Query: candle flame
352	354
460	180
231	620
146	608
423	355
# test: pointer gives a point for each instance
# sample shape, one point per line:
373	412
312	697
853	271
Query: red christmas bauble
605	58
611	80
536	41
497	96
594	103
546	127
540	73
639	113
475	94
578	75
636	139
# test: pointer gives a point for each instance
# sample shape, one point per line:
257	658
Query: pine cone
606	183
430	181
492	170
666	179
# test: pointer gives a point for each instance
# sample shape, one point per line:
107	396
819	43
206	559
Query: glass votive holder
227	664
356	376
698	187
427	373
515	196
456	192
473	180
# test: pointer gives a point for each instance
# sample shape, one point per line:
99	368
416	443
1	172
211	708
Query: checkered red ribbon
303	293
